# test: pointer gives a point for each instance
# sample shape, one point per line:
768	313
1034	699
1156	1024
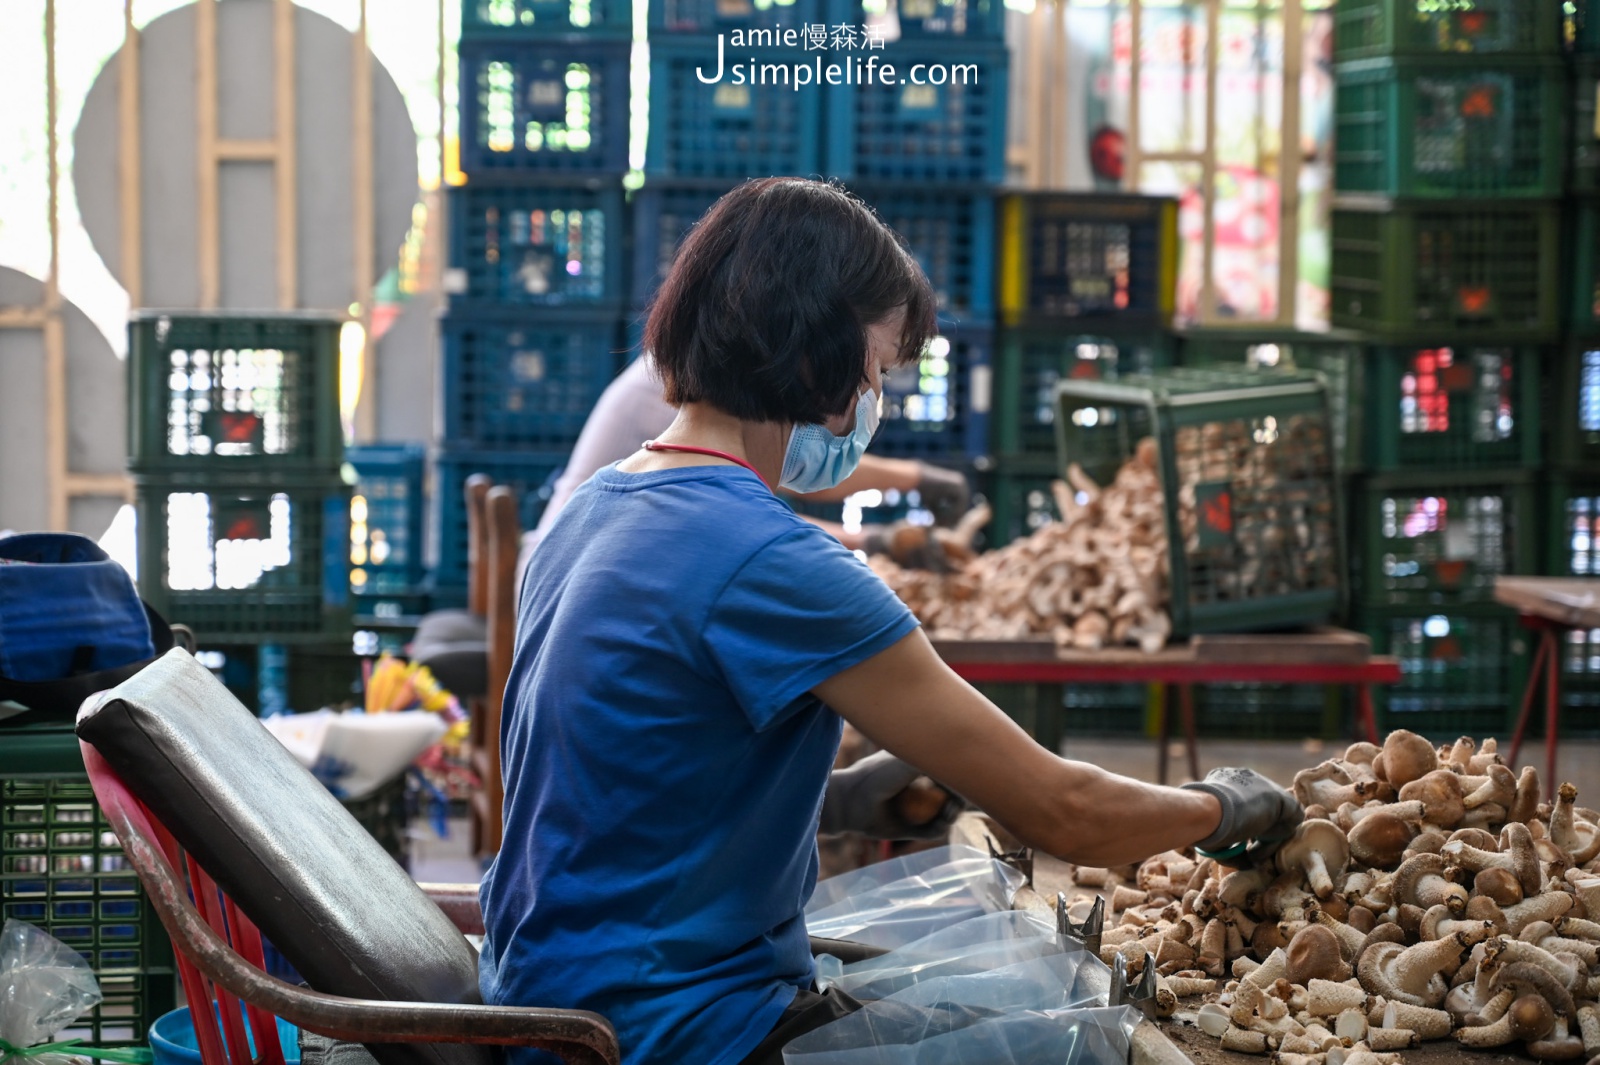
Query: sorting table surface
1570	601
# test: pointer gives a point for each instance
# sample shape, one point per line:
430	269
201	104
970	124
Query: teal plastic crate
1584	177
1251	493
1032	361
386	515
965	20
1455	407
1581	260
225	392
538	246
1339	357
1269	711
530	474
1442	128
1480	28
502	19
1443	539
751	17
1479	269
265	560
63	871
1579	656
1462	670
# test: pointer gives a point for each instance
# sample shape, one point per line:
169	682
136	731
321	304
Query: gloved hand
917	546
945	492
1257	814
876	798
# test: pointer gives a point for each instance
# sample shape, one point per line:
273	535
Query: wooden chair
229	834
504	541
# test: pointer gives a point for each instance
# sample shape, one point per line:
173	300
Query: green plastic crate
232	392
1019	495
1269	711
1580	685
1584	176
1425	27
1479	269
1573	502
1252	497
62	870
247	560
1462	670
1442	128
1442	540
1339	357
1582	266
1032	361
282	678
1454	407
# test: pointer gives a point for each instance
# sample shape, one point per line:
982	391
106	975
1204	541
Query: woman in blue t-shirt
688	648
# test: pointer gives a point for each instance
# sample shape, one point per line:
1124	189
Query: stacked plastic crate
243	508
537	241
1284	711
926	156
1572	482
1086	290
1448	169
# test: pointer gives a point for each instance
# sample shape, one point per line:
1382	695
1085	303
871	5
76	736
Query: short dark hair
765	312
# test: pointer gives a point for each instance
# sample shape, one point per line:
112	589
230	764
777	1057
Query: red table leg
1186	701
1527	701
1366	716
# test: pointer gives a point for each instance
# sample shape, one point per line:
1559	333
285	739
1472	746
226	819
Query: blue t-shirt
664	762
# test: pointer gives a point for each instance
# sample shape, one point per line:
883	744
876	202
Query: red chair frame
219	958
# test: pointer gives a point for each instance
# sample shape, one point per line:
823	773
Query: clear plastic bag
992	941
1036	1011
45	985
898	902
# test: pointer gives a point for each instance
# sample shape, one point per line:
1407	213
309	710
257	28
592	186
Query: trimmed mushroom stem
1427	1023
1327	998
1244	1041
1392	1038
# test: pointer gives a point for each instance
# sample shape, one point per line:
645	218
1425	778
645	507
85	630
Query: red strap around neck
651	445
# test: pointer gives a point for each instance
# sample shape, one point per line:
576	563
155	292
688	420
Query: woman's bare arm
907	700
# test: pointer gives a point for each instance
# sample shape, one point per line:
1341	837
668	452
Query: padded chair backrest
321	889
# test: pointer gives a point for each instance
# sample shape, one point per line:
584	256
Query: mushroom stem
1589	1025
1244	1041
1328	998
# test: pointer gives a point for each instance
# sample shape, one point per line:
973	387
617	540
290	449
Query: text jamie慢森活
850	70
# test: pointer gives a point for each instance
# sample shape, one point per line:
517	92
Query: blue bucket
173	1041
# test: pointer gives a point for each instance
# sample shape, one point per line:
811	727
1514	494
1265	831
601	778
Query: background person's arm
908	701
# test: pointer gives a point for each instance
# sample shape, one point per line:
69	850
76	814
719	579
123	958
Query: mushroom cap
1407	757
1361	753
1531	1017
1440	793
1380	839
1498	884
1315	834
1527	978
1411	872
1480	838
1313	953
1306	781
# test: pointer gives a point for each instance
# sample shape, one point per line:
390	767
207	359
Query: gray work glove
917	546
875	797
945	492
1257	815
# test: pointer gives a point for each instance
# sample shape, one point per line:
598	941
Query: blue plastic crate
386	518
538	245
966	20
726	130
524	380
726	16
939	408
911	132
529	474
951	232
501	19
544	107
662	214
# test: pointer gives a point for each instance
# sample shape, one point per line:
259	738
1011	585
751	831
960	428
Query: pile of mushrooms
1095	578
1429	894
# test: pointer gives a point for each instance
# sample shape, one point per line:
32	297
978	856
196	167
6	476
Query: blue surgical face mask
816	459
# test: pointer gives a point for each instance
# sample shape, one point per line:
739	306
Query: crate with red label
1454	406
1250	489
231	393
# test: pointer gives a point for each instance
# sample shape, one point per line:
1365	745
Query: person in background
632	409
